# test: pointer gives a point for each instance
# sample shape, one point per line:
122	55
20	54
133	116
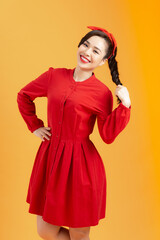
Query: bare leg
79	233
63	234
49	231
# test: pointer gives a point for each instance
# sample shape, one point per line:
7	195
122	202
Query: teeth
84	59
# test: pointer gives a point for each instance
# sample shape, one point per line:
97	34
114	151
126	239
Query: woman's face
94	49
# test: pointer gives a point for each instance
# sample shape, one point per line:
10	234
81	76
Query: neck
80	74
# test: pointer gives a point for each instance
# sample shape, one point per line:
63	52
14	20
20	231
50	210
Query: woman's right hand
42	132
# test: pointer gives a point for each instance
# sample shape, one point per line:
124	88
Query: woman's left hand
123	94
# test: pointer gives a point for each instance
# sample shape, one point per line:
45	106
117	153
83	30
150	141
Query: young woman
68	183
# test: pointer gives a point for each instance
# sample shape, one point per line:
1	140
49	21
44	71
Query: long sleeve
112	122
25	97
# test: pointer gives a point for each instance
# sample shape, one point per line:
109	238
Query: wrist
126	104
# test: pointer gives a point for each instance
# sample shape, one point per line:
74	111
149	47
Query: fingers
42	138
120	92
45	133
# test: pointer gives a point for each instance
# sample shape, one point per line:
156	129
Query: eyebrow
94	46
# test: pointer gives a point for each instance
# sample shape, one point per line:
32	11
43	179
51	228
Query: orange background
38	34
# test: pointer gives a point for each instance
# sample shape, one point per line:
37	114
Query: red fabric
68	183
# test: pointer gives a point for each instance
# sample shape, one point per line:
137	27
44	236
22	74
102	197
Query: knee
79	234
41	230
45	230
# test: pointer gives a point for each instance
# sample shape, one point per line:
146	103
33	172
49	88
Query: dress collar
91	78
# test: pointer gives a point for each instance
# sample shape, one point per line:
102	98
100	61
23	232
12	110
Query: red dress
68	182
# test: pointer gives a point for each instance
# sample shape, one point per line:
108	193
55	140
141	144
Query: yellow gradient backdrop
36	35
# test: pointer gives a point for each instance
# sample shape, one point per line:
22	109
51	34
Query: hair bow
110	35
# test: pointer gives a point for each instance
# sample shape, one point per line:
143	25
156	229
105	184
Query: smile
83	59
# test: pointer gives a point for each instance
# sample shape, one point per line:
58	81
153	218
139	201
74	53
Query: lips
84	58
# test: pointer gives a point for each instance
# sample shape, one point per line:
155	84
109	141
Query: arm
25	97
112	122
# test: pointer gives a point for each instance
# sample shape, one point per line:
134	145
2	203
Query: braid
112	63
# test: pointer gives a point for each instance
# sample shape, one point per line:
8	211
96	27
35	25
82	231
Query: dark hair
112	63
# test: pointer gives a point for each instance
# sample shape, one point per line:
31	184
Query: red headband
110	35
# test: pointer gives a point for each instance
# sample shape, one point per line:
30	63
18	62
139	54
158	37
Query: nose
88	51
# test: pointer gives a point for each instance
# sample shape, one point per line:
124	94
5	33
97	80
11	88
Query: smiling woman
92	52
68	183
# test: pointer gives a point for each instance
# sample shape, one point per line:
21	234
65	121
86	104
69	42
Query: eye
85	44
96	51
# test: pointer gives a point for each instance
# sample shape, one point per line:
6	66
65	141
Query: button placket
73	86
60	119
57	134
